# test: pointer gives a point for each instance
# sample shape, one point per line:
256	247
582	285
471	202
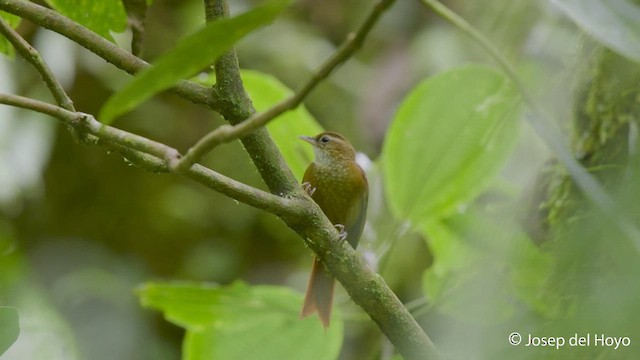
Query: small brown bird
339	186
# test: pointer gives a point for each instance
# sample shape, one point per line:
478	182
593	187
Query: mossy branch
152	155
286	200
100	46
30	54
225	134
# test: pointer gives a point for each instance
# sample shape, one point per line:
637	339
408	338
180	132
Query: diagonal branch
263	151
229	133
136	15
32	55
95	43
152	155
365	287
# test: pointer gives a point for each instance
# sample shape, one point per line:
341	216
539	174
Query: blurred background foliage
517	249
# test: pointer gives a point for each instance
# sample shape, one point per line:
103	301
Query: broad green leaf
5	46
613	23
449	138
482	265
9	327
266	91
101	16
189	56
243	322
451	261
44	334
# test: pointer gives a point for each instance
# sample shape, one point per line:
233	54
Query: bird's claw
342	234
308	188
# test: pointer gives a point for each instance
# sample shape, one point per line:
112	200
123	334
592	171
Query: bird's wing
356	220
357	215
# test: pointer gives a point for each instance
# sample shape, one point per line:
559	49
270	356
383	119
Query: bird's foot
306	186
342	234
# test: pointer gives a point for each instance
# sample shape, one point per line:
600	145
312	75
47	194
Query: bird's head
330	147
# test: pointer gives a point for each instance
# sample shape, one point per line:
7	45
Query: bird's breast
338	189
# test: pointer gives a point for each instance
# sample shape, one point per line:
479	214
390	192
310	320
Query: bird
339	186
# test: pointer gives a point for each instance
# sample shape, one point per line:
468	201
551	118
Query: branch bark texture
33	56
98	45
226	134
286	200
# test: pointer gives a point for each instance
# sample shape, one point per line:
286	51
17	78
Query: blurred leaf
482	265
6	47
242	322
9	327
100	16
7	239
450	137
190	55
476	291
26	136
265	91
44	334
451	257
613	23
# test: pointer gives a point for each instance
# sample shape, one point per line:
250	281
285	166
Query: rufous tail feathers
319	297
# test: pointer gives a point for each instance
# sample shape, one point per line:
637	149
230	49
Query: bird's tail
319	297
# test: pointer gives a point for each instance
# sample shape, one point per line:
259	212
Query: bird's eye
324	139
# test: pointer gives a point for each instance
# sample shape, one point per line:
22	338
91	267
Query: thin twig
259	145
152	155
95	43
136	15
365	287
229	133
545	128
299	212
32	55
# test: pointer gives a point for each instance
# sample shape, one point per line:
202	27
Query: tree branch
264	154
366	288
224	134
235	106
151	155
95	43
33	56
136	14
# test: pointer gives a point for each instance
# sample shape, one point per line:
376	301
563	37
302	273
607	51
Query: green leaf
450	137
452	259
9	327
101	16
613	23
472	288
5	46
512	268
265	91
243	322
44	333
188	57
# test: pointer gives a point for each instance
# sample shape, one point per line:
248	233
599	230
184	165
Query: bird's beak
308	139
